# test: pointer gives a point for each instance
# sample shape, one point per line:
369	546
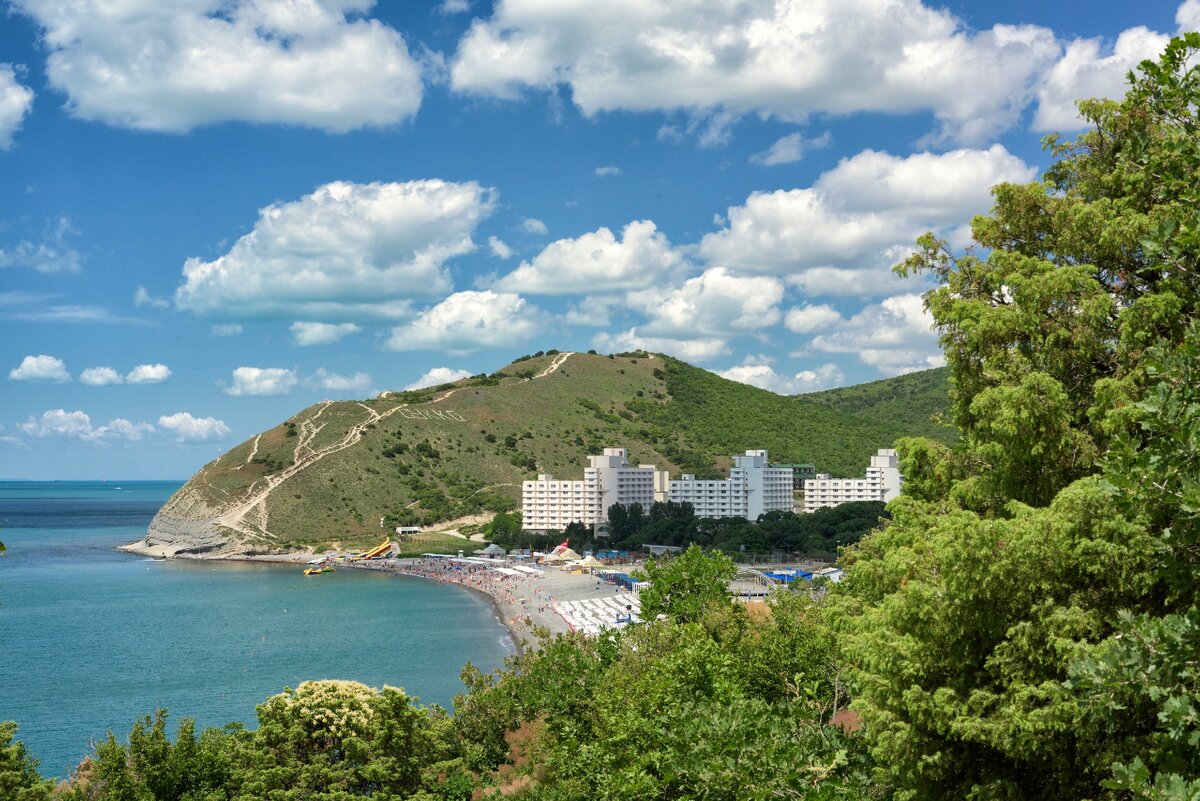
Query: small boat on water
316	571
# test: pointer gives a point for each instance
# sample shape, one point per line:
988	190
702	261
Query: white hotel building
550	504
881	484
752	489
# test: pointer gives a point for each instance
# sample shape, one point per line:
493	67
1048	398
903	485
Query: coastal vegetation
1025	626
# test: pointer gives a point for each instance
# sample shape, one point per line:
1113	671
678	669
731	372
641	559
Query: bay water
92	638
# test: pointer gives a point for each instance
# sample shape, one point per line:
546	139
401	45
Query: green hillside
910	402
331	472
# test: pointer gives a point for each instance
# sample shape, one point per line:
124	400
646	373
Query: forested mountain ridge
332	471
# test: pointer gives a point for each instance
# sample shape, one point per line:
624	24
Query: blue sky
216	212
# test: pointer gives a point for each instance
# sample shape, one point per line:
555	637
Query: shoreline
520	604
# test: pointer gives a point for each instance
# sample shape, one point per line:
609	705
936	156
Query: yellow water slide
377	551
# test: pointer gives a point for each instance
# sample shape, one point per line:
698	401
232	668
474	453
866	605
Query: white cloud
786	60
1187	17
438	376
763	376
100	377
808	318
364	249
598	262
142	297
499	249
158	66
40	368
1084	72
261	381
78	425
467	321
692	350
15	102
842	234
790	149
532	225
454	7
226	329
594	311
194	429
52	253
604	172
894	336
332	382
148	374
715	303
321	333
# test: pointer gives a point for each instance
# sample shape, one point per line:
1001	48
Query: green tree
973	620
19	779
681	587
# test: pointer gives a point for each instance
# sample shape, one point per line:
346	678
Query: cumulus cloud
1087	70
532	225
15	102
194	429
100	377
52	252
347	248
894	336
594	311
156	66
759	373
778	59
808	318
438	376
40	368
842	234
321	333
598	262
790	149
332	382
715	303
261	381
467	321
78	425
142	297
693	350
148	374
499	248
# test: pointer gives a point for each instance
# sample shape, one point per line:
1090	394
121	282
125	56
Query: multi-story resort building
753	488
882	483
549	504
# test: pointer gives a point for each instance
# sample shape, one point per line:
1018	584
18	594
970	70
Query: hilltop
345	471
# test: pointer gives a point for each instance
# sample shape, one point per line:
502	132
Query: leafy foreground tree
683	586
19	779
737	703
1024	627
323	741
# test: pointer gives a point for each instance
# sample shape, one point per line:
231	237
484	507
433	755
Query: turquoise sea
91	638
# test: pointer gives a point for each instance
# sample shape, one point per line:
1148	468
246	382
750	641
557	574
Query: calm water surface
90	638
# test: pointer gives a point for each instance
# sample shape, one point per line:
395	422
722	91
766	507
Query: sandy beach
522	603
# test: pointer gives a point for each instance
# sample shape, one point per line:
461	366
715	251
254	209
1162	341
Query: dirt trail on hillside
248	515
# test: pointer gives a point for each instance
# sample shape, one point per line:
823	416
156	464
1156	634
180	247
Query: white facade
752	489
549	504
882	483
611	479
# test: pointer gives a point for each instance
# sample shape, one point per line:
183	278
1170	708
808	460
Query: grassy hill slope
334	471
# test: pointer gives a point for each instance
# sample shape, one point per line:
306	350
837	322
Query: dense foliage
1025	626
